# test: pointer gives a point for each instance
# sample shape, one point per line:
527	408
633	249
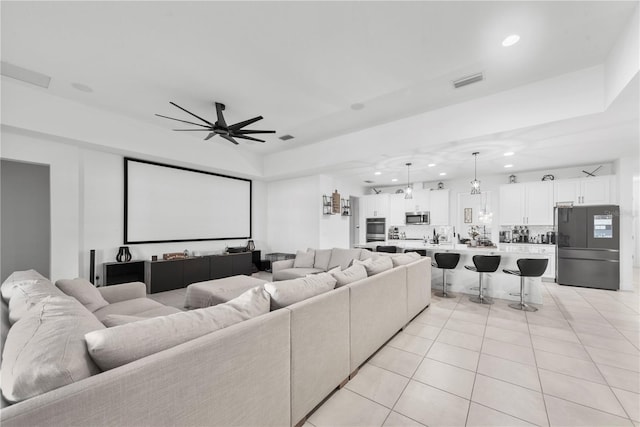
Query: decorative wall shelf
346	207
327	208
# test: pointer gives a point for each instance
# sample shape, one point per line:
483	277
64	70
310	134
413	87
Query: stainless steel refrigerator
587	246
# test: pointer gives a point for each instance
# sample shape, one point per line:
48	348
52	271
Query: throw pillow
15	279
46	349
112	320
287	292
123	344
404	259
304	259
366	254
375	266
343	257
350	275
323	256
83	291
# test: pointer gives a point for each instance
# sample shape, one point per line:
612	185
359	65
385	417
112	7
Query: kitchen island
496	285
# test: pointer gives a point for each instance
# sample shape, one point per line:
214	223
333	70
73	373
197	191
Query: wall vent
286	137
474	78
24	75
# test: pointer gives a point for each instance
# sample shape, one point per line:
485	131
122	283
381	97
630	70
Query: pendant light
475	184
408	193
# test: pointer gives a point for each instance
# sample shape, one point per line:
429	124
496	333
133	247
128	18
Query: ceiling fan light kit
220	127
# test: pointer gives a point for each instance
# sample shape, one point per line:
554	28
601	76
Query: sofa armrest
123	292
281	265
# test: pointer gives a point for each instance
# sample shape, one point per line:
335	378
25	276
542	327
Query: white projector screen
164	203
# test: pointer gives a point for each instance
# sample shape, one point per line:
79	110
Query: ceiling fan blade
228	138
221	121
211	135
248	131
192	130
183	121
189	112
248	137
245	123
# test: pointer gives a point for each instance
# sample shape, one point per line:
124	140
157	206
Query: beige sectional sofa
269	370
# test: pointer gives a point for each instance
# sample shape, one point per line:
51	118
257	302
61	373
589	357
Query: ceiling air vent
25	75
474	78
286	137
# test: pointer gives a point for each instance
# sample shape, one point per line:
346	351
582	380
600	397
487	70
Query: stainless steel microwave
417	218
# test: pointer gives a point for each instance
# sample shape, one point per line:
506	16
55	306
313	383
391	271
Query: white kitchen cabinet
529	203
419	202
584	191
439	207
375	205
396	210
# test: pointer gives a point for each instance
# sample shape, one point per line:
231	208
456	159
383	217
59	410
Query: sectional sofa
269	370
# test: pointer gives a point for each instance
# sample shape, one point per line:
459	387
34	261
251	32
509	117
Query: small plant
474	232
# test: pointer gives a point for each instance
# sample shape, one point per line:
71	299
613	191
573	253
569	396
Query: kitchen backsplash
535	233
444	232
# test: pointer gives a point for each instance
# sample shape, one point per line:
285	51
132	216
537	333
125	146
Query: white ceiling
302	65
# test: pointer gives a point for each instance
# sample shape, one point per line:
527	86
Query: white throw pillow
26	294
350	275
15	279
45	349
83	291
287	292
304	259
404	259
123	344
375	266
366	254
322	258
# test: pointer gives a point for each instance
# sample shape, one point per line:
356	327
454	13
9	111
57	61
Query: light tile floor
575	362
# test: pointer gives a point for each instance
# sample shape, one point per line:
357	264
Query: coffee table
218	291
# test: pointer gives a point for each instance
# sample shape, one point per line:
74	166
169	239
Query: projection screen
164	203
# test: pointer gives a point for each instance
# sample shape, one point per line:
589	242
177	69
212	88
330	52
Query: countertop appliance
588	242
417	218
376	230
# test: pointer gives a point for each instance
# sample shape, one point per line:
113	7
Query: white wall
87	211
628	171
294	214
623	62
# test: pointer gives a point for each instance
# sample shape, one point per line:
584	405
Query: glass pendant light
475	184
408	193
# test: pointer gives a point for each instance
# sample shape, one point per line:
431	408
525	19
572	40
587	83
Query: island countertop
533	249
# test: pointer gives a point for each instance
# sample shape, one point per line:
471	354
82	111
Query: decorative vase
251	246
123	254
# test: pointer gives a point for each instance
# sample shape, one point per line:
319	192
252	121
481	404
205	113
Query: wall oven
413	218
376	230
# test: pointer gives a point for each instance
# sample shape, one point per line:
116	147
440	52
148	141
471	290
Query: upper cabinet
419	202
529	203
396	210
439	207
584	191
374	206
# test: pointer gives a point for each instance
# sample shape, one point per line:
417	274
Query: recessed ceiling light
508	166
431	165
394	180
443	173
81	87
357	106
510	40
508	153
377	173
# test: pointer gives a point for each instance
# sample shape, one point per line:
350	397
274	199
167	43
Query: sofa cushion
123	344
288	292
406	258
322	259
295	273
45	349
350	275
15	279
304	259
366	254
375	266
28	293
120	319
343	257
83	291
142	307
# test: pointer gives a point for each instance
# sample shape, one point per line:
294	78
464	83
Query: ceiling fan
220	127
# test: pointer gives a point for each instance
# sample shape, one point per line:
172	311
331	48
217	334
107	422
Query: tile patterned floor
575	362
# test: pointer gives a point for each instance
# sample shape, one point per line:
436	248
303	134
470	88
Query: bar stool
389	249
527	267
483	264
445	261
